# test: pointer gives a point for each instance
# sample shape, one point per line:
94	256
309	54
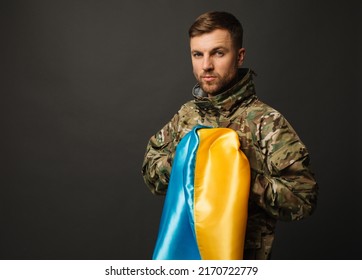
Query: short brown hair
211	21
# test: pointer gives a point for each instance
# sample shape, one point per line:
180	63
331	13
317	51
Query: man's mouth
208	78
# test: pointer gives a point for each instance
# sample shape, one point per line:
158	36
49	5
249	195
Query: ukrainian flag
205	210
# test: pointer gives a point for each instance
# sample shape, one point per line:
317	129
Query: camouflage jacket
282	184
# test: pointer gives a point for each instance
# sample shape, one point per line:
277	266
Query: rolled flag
205	211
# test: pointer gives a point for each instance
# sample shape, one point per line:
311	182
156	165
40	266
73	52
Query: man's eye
197	55
219	53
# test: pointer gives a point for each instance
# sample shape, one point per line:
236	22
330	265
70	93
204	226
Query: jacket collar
228	101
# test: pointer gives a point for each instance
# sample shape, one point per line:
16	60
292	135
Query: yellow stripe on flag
221	191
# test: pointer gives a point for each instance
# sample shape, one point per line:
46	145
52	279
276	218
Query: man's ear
241	55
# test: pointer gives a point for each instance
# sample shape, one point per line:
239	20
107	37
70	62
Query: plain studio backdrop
84	84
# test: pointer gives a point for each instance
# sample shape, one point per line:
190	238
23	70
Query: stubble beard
219	85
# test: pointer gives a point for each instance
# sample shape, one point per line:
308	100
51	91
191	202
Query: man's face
215	60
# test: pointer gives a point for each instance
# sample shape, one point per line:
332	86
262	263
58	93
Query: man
282	185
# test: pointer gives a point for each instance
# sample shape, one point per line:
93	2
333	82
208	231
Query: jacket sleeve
285	187
156	168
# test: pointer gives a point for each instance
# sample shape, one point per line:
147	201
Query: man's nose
207	64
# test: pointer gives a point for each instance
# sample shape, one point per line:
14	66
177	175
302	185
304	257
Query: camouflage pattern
282	186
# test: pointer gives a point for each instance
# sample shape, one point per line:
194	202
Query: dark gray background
84	84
